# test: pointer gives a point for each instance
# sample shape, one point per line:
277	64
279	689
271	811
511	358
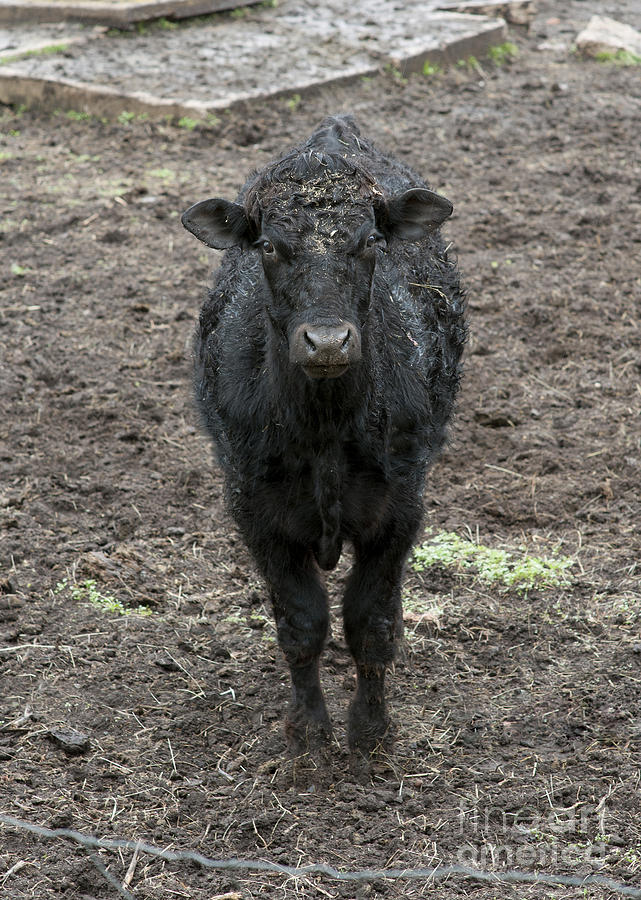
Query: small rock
605	35
166	663
71	741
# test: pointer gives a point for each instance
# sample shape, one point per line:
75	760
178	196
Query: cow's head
319	238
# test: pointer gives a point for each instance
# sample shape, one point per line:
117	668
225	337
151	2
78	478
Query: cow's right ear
217	223
415	213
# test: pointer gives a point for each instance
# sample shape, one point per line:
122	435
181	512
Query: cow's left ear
217	223
414	213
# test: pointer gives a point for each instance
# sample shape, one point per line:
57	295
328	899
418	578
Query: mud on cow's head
319	223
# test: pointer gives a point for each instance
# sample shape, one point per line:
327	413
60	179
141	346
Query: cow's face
319	265
319	259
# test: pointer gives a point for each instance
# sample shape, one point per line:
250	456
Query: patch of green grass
293	103
618	57
18	271
126	117
239	13
87	592
430	69
40	51
77	116
395	72
472	64
165	174
188	123
503	53
492	566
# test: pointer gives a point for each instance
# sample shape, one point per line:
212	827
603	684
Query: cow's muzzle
325	351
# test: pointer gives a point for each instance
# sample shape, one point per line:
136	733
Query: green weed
492	566
188	123
293	103
40	51
618	57
472	64
77	116
503	53
395	72
87	592
430	69
165	174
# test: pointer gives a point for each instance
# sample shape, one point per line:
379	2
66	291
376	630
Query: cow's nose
324	342
325	351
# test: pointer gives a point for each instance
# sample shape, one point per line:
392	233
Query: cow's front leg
373	621
301	611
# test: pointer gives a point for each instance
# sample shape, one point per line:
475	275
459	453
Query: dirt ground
518	715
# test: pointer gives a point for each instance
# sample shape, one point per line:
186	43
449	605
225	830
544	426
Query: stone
605	35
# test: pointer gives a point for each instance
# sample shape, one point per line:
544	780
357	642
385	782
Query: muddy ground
518	714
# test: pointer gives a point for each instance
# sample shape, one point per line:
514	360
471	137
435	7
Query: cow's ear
414	213
217	223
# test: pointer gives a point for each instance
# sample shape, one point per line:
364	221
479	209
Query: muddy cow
327	364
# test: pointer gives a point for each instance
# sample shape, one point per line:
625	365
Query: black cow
327	364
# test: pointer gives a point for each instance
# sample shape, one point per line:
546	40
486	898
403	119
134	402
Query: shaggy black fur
334	234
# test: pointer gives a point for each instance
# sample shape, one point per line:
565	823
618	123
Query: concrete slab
201	68
116	13
17	42
516	12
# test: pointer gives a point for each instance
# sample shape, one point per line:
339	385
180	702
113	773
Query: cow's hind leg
373	621
302	619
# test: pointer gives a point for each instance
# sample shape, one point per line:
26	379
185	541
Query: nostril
325	346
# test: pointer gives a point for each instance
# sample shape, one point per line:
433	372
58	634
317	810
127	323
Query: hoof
367	732
305	733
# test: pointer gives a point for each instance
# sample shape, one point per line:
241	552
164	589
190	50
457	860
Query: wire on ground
256	865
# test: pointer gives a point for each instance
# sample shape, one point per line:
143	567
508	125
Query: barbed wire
437	873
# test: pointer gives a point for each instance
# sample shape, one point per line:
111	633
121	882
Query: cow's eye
267	248
373	239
